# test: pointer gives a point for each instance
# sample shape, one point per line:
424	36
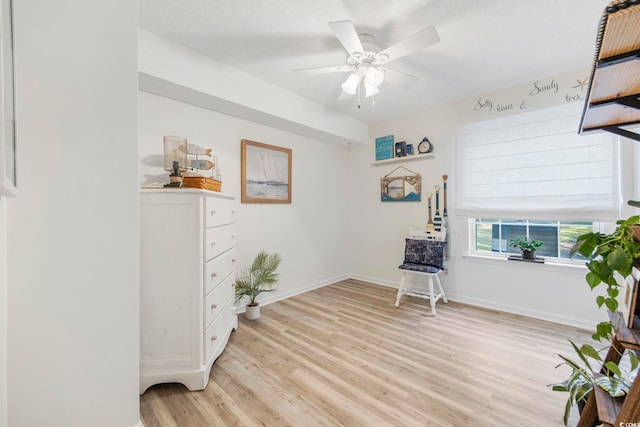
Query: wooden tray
202	182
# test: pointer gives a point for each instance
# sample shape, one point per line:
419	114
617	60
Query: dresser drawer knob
213	243
214	305
214	337
214	274
213	211
233	260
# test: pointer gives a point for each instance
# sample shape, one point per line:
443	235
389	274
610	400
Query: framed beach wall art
401	188
266	173
7	104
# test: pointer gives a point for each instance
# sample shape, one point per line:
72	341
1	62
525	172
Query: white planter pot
252	312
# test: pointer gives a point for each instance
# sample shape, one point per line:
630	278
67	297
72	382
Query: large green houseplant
260	277
607	255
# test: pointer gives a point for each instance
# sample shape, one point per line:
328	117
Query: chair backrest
425	252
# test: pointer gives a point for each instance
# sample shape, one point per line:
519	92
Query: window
493	236
535	165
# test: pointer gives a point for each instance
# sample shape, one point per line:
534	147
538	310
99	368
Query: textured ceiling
484	44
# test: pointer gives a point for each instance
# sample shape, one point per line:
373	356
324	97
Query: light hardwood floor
344	355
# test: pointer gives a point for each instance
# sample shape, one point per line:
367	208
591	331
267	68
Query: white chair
423	258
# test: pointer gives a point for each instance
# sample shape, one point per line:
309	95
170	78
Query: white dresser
187	274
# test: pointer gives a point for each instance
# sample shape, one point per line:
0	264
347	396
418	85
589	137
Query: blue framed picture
384	147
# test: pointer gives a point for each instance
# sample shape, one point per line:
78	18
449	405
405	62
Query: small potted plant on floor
527	246
260	277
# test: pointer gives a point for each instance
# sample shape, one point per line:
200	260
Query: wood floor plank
344	355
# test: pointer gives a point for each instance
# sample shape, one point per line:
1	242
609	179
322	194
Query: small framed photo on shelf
409	149
384	147
401	149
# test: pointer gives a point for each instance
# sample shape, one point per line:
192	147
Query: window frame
472	241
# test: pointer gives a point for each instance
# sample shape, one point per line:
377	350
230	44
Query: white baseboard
279	296
587	324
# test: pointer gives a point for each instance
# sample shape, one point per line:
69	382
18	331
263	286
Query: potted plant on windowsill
527	246
260	277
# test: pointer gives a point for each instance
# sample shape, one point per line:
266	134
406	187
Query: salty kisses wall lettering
538	94
487	104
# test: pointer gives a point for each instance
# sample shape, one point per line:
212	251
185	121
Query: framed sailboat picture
266	173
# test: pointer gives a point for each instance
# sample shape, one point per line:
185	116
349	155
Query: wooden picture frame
8	175
628	305
401	188
265	173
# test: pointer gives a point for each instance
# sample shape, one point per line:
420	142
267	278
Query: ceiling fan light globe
370	90
374	76
351	84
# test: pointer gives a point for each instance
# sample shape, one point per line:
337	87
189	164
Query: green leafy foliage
582	378
260	277
526	244
608	255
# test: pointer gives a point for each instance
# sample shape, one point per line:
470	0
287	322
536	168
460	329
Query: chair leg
444	296
432	298
400	289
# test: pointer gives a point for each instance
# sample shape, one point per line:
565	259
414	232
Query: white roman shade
534	165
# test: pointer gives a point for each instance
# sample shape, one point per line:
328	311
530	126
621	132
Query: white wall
3	311
309	233
73	230
553	293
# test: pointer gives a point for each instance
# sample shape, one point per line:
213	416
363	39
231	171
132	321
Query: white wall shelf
404	159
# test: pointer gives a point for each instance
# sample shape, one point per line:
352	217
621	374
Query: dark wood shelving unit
611	411
613	100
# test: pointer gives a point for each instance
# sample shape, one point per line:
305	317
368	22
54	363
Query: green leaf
631	220
633	358
593	280
589	351
603	330
599	300
613	292
611	304
618	260
614	386
612	368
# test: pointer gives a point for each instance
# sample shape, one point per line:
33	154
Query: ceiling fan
367	64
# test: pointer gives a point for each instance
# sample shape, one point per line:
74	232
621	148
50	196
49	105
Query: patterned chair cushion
423	255
420	267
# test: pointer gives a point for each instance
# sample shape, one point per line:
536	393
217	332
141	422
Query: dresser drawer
214	335
216	270
218	212
217	240
218	299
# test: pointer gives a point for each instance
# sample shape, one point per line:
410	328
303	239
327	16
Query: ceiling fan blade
398	78
417	41
346	33
324	70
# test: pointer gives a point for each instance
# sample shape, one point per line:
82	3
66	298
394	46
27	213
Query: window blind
535	165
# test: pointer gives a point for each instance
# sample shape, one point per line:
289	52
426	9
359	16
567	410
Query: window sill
548	264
